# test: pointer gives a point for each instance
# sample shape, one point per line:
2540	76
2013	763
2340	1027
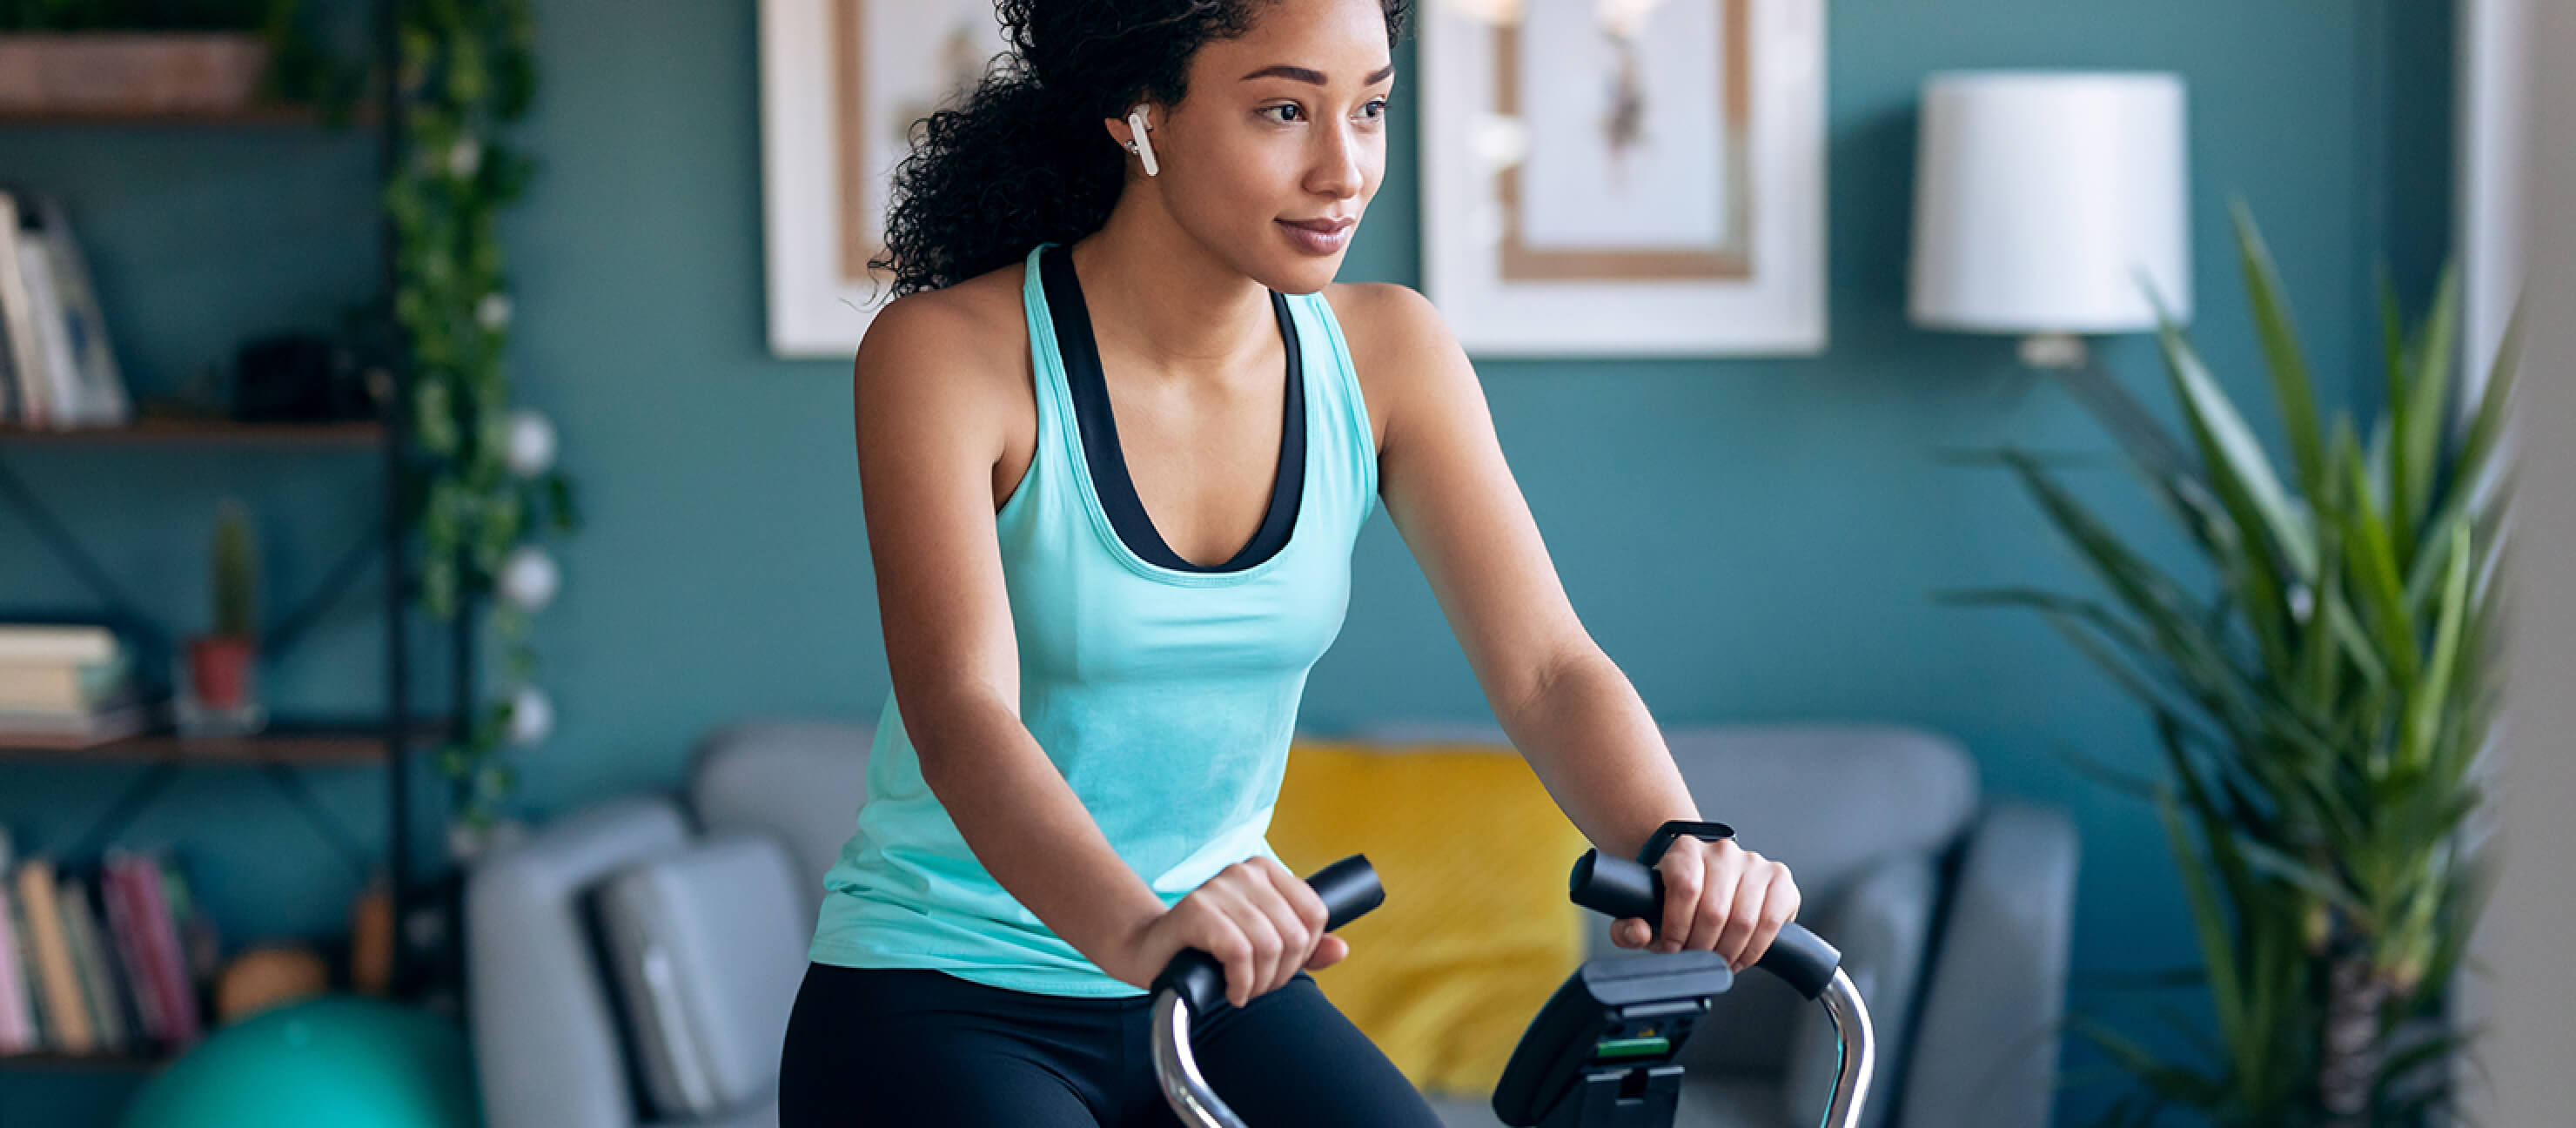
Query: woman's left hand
1718	897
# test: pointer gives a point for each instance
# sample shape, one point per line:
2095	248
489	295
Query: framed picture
841	84
1625	177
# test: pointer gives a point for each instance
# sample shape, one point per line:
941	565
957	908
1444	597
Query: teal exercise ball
345	1061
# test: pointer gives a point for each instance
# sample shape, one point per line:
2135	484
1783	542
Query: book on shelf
67	686
18	1033
46	642
104	958
58	995
58	369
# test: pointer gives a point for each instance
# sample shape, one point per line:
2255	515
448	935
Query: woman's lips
1319	236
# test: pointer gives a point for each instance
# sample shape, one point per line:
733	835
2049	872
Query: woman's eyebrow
1303	74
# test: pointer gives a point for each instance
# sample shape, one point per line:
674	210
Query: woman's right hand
1262	923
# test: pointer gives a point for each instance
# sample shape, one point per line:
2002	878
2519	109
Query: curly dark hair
1023	160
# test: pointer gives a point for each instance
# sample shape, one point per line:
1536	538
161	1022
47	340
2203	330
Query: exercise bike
1600	1053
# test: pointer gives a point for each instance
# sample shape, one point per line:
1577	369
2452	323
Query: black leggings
893	1048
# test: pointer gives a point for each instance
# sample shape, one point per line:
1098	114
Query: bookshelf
50	1062
385	740
203	432
248	117
292	742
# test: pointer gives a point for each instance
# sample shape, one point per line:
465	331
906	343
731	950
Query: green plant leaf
2169	1081
2290	383
2234	461
2145	673
2158	460
2318	883
2209	924
2261	519
2475	482
2424	708
2172	617
2419	432
2320	673
2375	580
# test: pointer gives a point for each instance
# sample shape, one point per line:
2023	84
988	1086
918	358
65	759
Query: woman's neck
1156	294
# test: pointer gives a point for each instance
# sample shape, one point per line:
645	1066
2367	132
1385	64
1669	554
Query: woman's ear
1138	137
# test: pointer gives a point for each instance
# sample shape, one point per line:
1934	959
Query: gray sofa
632	963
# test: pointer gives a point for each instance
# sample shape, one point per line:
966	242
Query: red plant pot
219	670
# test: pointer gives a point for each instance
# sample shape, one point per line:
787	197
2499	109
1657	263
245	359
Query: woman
1116	434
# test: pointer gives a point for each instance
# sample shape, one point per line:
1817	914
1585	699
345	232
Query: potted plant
2321	714
141	57
221	696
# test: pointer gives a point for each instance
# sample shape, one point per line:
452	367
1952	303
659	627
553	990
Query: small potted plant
220	697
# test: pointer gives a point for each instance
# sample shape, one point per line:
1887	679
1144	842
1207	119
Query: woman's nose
1337	170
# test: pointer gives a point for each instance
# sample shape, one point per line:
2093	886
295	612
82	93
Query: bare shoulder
1380	318
965	325
1401	347
958	349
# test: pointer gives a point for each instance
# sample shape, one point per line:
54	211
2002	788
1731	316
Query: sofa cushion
705	945
800	781
544	1018
1476	930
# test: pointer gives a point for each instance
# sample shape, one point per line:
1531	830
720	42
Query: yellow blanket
1476	929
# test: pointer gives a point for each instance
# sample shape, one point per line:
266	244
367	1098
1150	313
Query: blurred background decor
2051	205
485	486
1752	539
113	58
1634	178
330	1061
219	693
2322	714
842	84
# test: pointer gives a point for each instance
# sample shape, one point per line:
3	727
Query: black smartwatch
1662	839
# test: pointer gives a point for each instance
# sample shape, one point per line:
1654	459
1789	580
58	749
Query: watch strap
1664	835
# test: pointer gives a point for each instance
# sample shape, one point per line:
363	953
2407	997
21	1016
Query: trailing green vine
482	487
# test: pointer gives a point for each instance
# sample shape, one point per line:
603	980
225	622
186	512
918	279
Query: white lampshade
2046	203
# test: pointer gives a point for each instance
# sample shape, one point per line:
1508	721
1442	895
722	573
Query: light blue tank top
1166	697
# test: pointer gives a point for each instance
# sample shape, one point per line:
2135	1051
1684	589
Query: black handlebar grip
1349	888
1623	889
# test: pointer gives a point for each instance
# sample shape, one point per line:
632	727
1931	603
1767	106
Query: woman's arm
930	424
1564	704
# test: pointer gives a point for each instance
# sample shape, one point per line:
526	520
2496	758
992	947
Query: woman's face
1281	141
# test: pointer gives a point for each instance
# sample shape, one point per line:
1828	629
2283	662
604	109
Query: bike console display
1600	1052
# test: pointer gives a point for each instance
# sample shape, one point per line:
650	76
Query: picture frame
1627	178
841	84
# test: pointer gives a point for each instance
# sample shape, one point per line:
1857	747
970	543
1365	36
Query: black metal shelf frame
387	539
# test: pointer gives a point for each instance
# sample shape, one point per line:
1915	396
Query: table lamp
2048	205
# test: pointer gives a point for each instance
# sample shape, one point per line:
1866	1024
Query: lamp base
2053	350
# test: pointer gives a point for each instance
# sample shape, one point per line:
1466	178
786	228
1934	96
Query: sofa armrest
1882	924
706	945
1985	1052
548	1048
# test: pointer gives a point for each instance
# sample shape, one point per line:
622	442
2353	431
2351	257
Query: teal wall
1750	540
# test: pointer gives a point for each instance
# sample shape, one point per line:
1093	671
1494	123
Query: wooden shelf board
279	114
203	432
304	745
105	1062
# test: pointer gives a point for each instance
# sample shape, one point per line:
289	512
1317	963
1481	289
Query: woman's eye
1373	111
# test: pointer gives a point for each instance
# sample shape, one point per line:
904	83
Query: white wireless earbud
1141	145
